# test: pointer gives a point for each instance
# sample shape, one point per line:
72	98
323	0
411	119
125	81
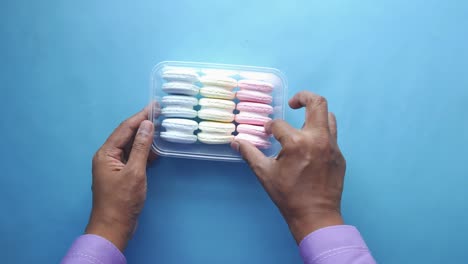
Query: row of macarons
219	110
246	93
215	86
179	130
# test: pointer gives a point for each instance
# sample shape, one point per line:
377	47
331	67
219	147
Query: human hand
305	180
119	180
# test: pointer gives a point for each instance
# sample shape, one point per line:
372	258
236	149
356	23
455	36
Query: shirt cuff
93	249
334	243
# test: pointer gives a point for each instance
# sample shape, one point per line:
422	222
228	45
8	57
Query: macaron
253	113
179	125
178	137
217	92
255	85
181	100
179	111
251	118
215	132
218	80
217	103
216	127
216	110
254	96
252	130
180	75
216	114
259	108
259	142
214	138
179	130
180	88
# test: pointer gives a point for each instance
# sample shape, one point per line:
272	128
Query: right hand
305	180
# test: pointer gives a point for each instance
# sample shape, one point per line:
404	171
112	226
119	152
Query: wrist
303	225
116	232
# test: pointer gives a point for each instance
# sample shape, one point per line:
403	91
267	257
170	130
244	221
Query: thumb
252	155
141	145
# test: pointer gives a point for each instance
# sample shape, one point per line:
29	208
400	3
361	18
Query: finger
141	145
152	155
251	154
332	125
126	130
316	108
280	130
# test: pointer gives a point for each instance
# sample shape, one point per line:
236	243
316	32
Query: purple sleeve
335	244
93	249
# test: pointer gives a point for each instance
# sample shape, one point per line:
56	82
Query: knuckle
320	100
275	123
276	126
336	160
139	144
126	125
340	159
296	140
125	122
142	134
136	173
306	94
98	156
323	145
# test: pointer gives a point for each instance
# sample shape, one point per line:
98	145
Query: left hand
119	180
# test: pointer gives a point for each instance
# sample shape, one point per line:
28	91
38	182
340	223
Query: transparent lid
198	150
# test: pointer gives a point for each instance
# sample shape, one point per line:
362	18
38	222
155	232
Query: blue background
395	74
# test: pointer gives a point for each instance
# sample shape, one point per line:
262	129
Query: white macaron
178	111
179	130
179	124
181	100
180	75
180	88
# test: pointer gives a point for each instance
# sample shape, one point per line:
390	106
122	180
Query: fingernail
235	145
145	127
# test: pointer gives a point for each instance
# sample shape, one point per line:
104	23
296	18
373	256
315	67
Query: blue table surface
395	74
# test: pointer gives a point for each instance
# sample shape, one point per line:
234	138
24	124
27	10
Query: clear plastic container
200	150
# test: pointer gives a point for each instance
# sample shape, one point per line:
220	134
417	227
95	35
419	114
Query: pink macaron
259	142
255	85
254	96
253	113
252	130
255	108
252	119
